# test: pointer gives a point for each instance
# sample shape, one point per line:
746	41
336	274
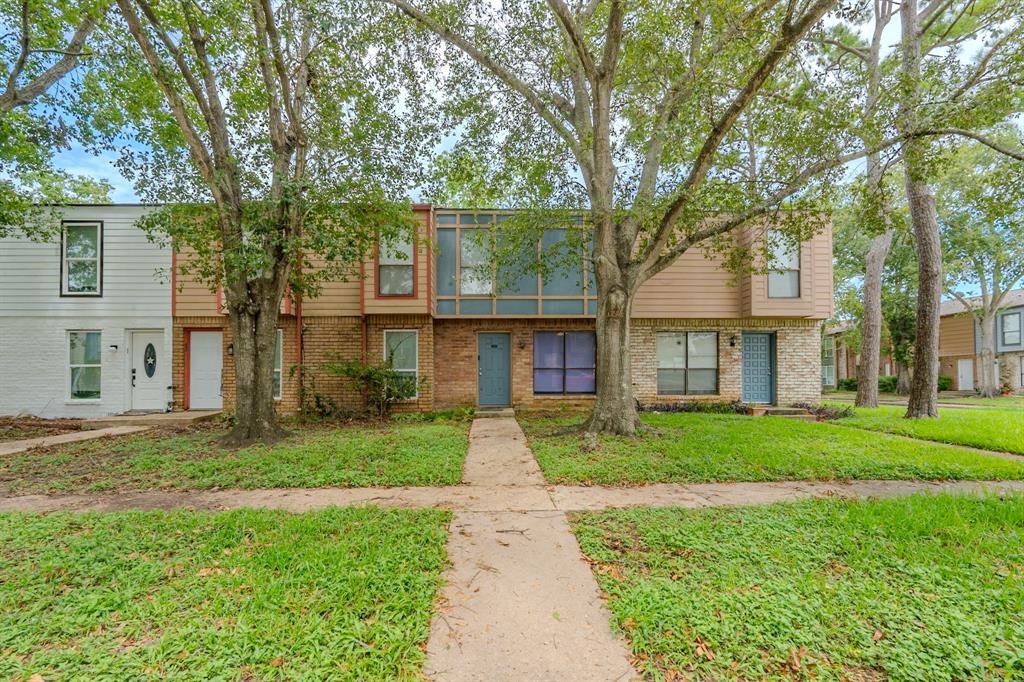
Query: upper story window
784	269
564	362
828	364
1011	329
82	259
687	363
395	268
476	275
84	365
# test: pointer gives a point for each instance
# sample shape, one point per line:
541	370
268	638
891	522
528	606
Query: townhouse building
85	318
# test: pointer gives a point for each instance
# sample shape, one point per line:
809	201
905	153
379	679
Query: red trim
415	271
174	280
430	260
220	300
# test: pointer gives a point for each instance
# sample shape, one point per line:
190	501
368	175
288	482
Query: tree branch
987	141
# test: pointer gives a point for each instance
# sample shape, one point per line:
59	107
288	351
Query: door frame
508	335
130	347
774	363
186	334
974	380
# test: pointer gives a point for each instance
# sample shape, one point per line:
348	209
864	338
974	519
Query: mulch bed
21	428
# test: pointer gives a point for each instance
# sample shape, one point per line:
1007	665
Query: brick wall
798	357
377	324
325	339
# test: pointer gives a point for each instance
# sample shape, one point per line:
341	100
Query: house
960	343
840	361
470	335
85	318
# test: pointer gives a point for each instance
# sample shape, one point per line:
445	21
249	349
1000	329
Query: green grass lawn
916	589
694	448
409	453
244	595
1011	402
1001	430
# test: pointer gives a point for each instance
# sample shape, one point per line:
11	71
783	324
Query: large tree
981	212
650	120
265	129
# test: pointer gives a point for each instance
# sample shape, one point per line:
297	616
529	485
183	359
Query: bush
706	406
848	384
887	384
945	383
455	414
380	384
827	412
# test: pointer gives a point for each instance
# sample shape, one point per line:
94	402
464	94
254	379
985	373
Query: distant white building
85	320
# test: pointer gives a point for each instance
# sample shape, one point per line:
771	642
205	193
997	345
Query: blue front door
758	368
495	366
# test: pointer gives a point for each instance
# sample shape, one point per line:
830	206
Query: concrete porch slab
152	419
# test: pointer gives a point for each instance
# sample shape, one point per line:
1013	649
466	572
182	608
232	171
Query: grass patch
1007	402
23	428
339	594
413	453
1000	430
916	589
694	448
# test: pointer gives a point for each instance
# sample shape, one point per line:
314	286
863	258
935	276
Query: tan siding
192	298
693	286
956	335
394	305
335	298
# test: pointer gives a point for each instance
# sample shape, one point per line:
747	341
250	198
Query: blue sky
79	162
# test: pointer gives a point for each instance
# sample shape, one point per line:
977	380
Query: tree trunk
615	408
902	379
989	380
871	339
254	337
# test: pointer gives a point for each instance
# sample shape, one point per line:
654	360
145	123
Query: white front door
149	372
206	360
965	374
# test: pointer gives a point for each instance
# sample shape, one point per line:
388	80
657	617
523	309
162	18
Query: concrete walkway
13	447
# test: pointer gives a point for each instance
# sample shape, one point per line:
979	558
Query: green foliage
699	448
945	382
343	594
847	384
354	455
918	589
887	384
380	384
702	406
992	429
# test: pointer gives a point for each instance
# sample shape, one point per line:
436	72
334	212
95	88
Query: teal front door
495	365
758	368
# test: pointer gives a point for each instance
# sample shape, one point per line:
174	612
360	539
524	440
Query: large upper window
82	259
828	361
84	360
687	363
395	261
1011	329
564	362
476	275
400	349
278	362
784	269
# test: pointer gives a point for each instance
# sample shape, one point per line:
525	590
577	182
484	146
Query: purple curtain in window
564	362
547	350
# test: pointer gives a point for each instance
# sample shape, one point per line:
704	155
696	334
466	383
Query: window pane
547	350
517	307
475	281
469	306
395	280
83	275
580	381
446	262
277	383
784	284
562	307
85	348
278	350
476	277
518	275
547	381
671	381
701	380
785	254
395	252
560	281
580	350
85	383
446	307
671	349
445	218
1011	323
407	383
400	348
81	241
702	350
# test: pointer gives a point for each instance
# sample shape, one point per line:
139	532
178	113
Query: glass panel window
784	268
395	261
564	362
687	363
84	360
446	262
278	362
565	279
828	364
401	350
476	277
81	259
1011	329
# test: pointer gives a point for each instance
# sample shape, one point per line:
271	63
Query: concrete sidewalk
13	447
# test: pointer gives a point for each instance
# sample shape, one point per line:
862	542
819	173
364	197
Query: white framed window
396	268
1011	329
687	363
81	259
401	349
828	361
784	268
278	362
84	365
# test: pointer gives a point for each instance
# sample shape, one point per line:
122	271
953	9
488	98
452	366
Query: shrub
381	385
945	383
847	384
455	414
827	412
887	384
706	406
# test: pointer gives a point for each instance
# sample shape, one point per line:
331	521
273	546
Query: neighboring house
472	337
960	343
839	361
85	319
